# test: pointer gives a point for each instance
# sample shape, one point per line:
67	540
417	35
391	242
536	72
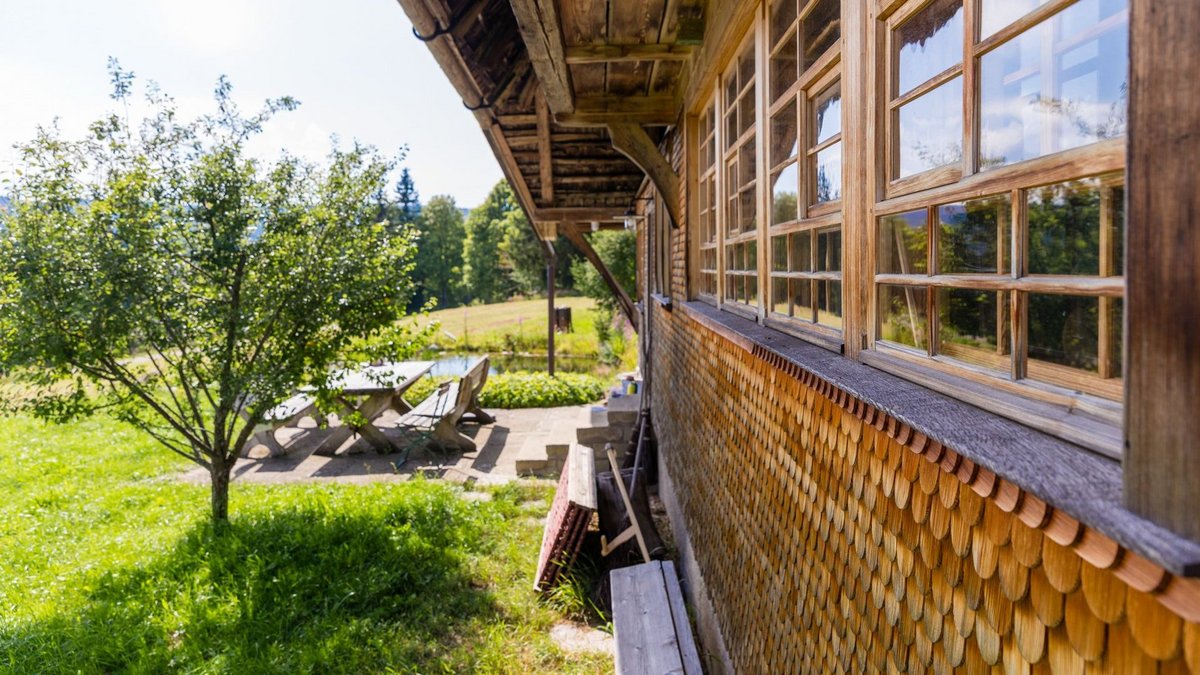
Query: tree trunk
220	488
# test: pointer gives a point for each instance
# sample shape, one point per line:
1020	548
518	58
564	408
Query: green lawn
108	565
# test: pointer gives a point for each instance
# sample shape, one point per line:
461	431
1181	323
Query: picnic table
370	392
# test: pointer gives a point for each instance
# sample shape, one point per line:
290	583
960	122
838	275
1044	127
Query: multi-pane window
660	227
707	211
1020	275
740	234
805	159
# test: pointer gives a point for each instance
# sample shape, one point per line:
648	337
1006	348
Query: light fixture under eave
595	226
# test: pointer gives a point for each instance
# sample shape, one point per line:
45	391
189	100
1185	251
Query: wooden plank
642	626
1162	395
582	482
542	34
585	247
688	653
628	53
545	158
633	141
602	110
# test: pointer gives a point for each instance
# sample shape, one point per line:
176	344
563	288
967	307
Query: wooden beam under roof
542	34
584	214
576	237
545	158
595	111
633	142
584	54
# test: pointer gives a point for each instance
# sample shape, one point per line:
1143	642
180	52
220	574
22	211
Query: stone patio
498	445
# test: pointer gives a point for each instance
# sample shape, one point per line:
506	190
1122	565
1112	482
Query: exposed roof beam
596	111
542	34
627	53
633	142
584	214
545	158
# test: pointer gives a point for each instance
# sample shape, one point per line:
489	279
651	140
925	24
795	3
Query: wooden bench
284	414
435	420
650	622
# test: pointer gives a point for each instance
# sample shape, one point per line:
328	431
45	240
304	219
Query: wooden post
1162	310
550	265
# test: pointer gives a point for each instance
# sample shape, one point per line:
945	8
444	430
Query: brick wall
831	538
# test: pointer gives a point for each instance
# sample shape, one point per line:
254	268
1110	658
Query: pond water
454	365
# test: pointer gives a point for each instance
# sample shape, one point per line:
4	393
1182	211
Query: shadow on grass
310	588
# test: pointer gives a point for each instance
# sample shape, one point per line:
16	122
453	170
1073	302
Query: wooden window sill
1082	484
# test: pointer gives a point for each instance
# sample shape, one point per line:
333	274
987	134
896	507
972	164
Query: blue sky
354	65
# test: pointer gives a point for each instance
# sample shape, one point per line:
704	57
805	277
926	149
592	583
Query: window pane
973	326
929	43
783	134
779	253
931	130
829	303
783	15
1064	330
801	251
829	250
747	211
1076	228
828	108
746	65
997	14
974	236
783	68
751	290
751	255
1059	85
821	28
779	296
801	298
902	315
783	196
829	174
746	111
903	243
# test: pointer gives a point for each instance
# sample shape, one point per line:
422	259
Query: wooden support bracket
632	141
580	242
634	530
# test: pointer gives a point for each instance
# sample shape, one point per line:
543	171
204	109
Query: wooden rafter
598	111
545	158
579	214
633	142
542	34
576	237
584	54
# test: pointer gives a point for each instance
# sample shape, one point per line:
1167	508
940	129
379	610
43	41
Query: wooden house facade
918	302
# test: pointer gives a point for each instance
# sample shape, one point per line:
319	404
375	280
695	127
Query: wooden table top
377	379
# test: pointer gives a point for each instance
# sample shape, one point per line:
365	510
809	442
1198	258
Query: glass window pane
997	14
747	211
779	253
751	255
783	68
828	175
783	134
821	28
903	244
801	251
1075	228
746	65
829	249
783	196
829	303
746	112
783	15
1064	330
1059	85
974	236
902	315
802	307
931	130
751	290
828	108
779	296
929	43
973	326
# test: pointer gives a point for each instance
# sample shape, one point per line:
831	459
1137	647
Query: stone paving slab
493	462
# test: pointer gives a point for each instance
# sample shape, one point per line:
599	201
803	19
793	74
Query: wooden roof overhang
556	84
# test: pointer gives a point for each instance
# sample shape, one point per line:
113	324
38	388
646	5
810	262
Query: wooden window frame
733	238
707	241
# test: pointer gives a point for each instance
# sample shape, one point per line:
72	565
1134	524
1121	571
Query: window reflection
1077	228
1064	330
903	243
902	315
973	326
1060	85
929	43
931	130
819	30
783	195
996	14
828	107
973	236
829	174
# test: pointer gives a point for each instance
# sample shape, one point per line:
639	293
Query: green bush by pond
525	390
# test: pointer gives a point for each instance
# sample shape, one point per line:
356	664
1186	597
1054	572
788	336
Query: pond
454	365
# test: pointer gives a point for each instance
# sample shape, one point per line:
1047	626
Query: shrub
539	390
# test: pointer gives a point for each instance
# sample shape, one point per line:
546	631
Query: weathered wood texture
580	242
1162	407
833	537
633	141
542	33
650	623
569	518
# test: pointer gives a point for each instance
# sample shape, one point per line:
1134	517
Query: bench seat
650	622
